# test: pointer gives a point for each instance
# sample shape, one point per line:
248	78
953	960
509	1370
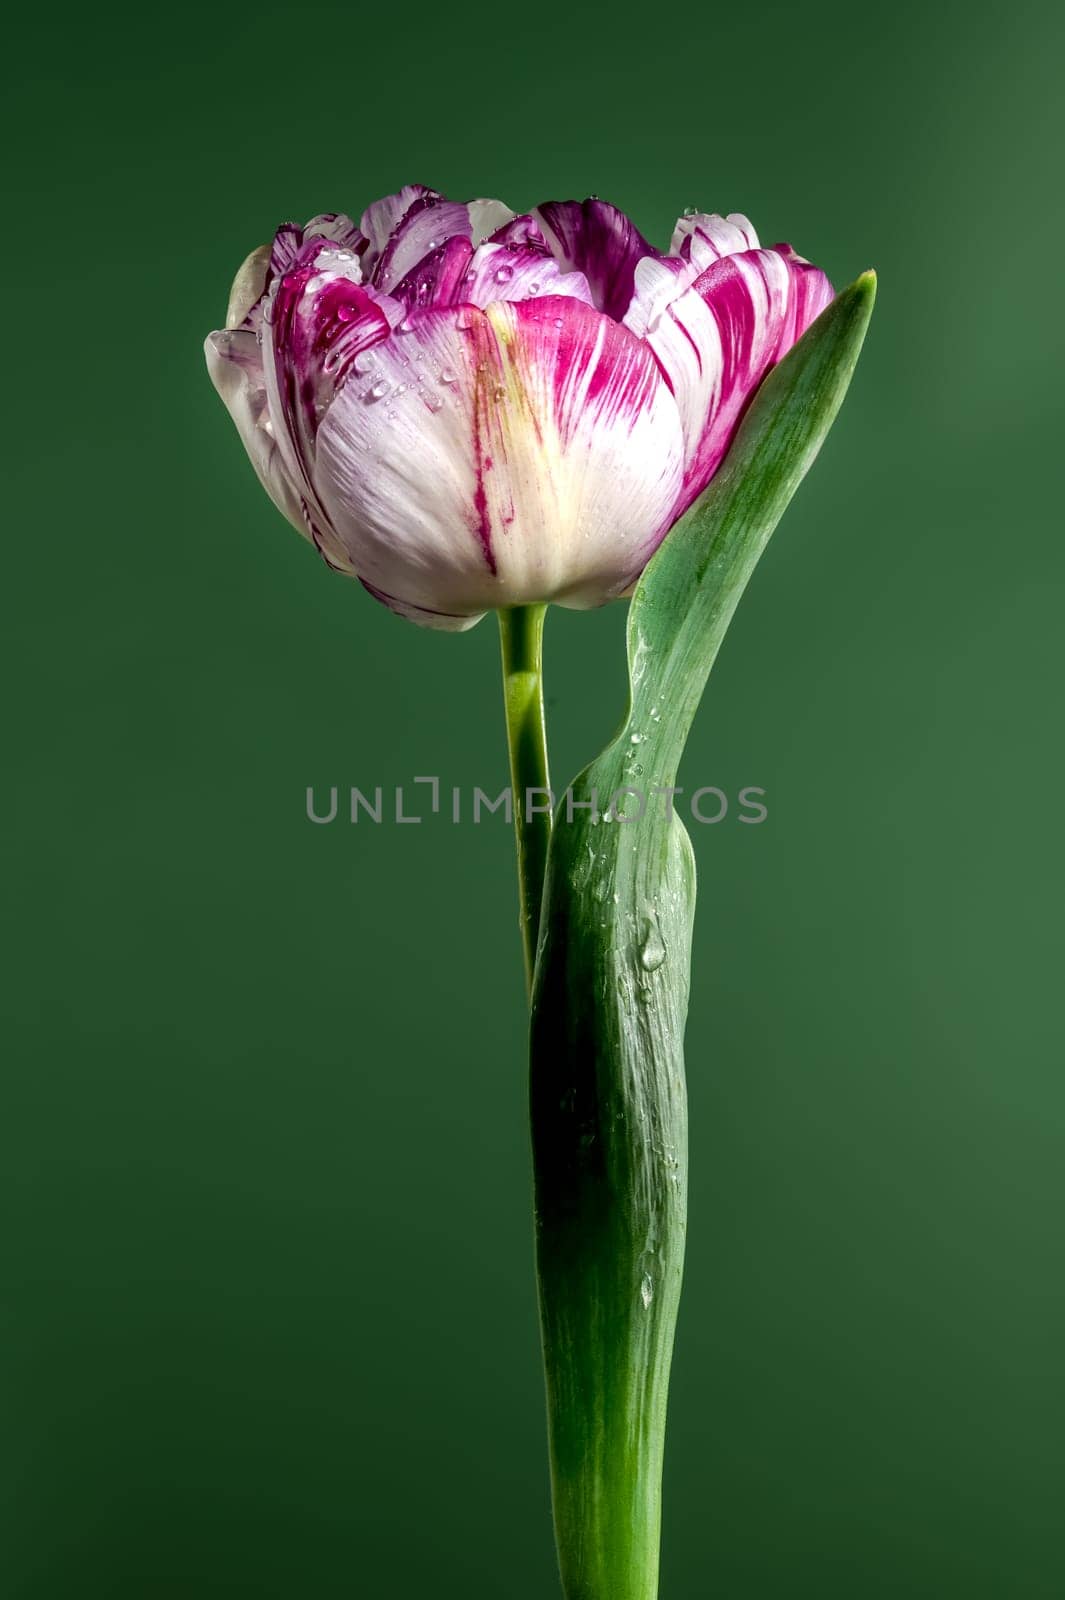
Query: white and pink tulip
468	409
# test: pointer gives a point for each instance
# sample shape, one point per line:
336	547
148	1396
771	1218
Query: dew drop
653	950
405	326
447	376
647	1291
434	402
499	393
691	211
504	274
379	390
534	288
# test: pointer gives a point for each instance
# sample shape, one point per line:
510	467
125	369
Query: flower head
468	409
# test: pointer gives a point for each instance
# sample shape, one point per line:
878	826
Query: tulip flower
470	410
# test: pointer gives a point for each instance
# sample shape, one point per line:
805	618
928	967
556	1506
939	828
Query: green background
268	1310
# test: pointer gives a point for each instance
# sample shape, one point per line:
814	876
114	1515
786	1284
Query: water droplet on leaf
652	950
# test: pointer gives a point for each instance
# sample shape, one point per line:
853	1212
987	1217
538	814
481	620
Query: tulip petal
316	325
248	286
658	281
526	452
380	219
703	238
331	228
436	279
597	239
521	230
515	272
428	223
717	339
699	239
446	621
234	363
486	218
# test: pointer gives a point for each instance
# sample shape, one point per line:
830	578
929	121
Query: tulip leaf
610	996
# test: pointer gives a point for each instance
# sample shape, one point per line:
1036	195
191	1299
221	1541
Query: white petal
233	361
248	285
486	216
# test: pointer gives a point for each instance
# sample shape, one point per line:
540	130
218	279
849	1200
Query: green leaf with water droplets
611	995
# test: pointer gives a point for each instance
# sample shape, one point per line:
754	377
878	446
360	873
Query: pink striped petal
703	237
717	339
316	323
515	272
699	239
597	239
428	223
658	281
526	452
380	220
521	230
437	280
331	228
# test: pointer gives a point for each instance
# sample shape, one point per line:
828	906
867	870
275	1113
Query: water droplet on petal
434	402
405	326
534	288
447	376
504	273
499	393
379	390
691	211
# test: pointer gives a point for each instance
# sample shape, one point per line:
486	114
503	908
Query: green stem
521	633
